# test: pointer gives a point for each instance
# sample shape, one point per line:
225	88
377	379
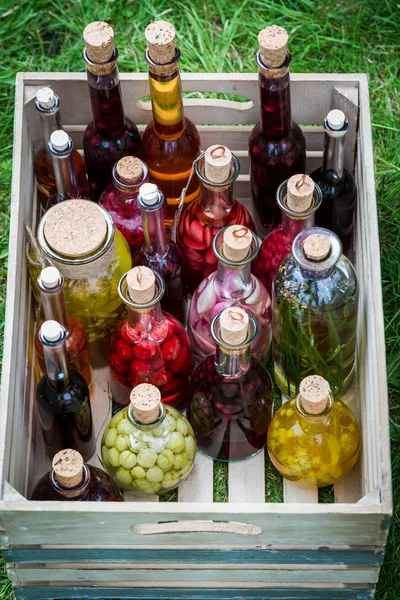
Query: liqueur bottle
170	142
120	199
47	104
336	183
148	447
160	254
231	392
314	437
51	286
314	314
200	221
149	346
110	135
72	479
277	147
298	198
61	149
231	285
62	398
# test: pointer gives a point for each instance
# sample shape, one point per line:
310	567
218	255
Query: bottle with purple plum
110	135
277	147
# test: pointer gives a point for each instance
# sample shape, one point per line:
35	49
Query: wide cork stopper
217	163
237	242
300	190
314	392
68	467
160	37
75	228
130	169
99	41
141	284
317	247
146	399
234	324
273	46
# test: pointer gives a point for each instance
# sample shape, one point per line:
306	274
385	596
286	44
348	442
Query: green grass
330	36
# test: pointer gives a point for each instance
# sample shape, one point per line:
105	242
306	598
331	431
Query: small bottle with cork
298	198
72	479
231	392
314	437
148	447
217	169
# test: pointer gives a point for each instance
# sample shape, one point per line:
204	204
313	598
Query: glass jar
314	314
314	437
78	237
148	447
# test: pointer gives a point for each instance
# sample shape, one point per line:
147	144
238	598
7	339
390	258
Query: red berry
193	244
159	378
182	362
124	351
170	348
118	365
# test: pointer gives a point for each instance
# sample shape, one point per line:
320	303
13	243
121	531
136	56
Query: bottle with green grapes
148	447
314	437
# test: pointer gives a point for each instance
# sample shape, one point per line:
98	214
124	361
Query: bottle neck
106	100
216	203
294	226
275	105
232	364
155	237
54	306
241	275
78	492
56	360
333	161
65	175
145	317
166	99
50	121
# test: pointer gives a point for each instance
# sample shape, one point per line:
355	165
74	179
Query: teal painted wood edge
322	556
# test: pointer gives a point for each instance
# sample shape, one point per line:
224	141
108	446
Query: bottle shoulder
333	188
188	141
62	400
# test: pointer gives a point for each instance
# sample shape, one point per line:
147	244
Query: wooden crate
195	548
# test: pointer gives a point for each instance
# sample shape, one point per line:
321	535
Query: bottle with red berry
149	346
298	198
120	199
217	169
277	146
110	135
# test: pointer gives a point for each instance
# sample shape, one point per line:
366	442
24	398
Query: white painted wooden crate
246	548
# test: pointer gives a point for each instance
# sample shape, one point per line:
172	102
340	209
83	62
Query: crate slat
246	480
198	487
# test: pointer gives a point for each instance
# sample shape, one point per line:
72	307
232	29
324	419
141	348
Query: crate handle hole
145	103
234	527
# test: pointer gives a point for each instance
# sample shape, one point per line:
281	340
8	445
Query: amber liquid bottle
171	141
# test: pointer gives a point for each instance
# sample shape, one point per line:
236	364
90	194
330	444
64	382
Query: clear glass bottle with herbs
314	314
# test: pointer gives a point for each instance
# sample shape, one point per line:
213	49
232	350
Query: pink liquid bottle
231	285
149	346
217	169
277	147
232	392
110	135
298	198
120	199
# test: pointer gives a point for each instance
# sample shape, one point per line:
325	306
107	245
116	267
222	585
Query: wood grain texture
246	480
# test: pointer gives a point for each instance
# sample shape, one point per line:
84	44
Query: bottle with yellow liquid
314	437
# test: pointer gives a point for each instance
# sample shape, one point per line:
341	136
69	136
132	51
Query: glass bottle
231	285
78	237
149	346
110	135
62	398
298	198
314	437
51	286
215	208
72	479
277	146
336	183
61	149
171	141
120	199
148	447
159	253
47	104
231	392
314	314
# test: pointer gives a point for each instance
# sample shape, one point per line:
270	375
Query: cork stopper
314	392
217	161
46	97
60	140
273	46
99	41
300	190
237	242
234	323
68	467
160	37
146	399
130	169
141	285
335	119
317	247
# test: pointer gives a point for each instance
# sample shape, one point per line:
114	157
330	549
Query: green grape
172	422
113	457
182	427
127	459
147	458
104	456
138	473
180	461
169	480
165	459
117	418
121	443
143	485
125	427
156	487
190	446
110	438
123	477
155	475
176	442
